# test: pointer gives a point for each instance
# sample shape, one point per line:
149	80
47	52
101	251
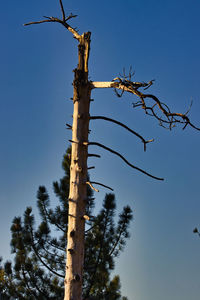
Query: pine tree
38	270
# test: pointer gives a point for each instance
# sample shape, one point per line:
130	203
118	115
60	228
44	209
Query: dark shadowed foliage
39	251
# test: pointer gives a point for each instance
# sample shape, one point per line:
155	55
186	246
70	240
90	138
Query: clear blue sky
161	40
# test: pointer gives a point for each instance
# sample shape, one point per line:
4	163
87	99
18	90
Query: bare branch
167	119
90	185
70	17
102	84
189	108
86	231
38	256
118	154
94	182
62	9
124	126
47	17
39	22
86	218
123	158
69	126
93	155
63	22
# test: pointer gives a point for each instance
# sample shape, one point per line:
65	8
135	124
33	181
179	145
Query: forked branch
62	21
157	109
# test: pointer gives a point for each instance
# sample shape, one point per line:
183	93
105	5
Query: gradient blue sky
161	40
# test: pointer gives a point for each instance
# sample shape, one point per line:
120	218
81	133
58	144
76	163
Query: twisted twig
168	119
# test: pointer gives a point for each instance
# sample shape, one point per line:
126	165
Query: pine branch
37	288
31	291
51	256
118	239
56	246
57	225
47	216
38	256
92	227
98	257
122	227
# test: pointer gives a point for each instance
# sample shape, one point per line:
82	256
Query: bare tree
80	129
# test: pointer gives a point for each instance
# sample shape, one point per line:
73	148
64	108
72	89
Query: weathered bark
78	174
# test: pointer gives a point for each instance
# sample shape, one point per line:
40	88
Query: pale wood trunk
78	175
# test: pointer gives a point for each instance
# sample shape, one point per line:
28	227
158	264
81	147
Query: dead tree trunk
78	174
80	143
